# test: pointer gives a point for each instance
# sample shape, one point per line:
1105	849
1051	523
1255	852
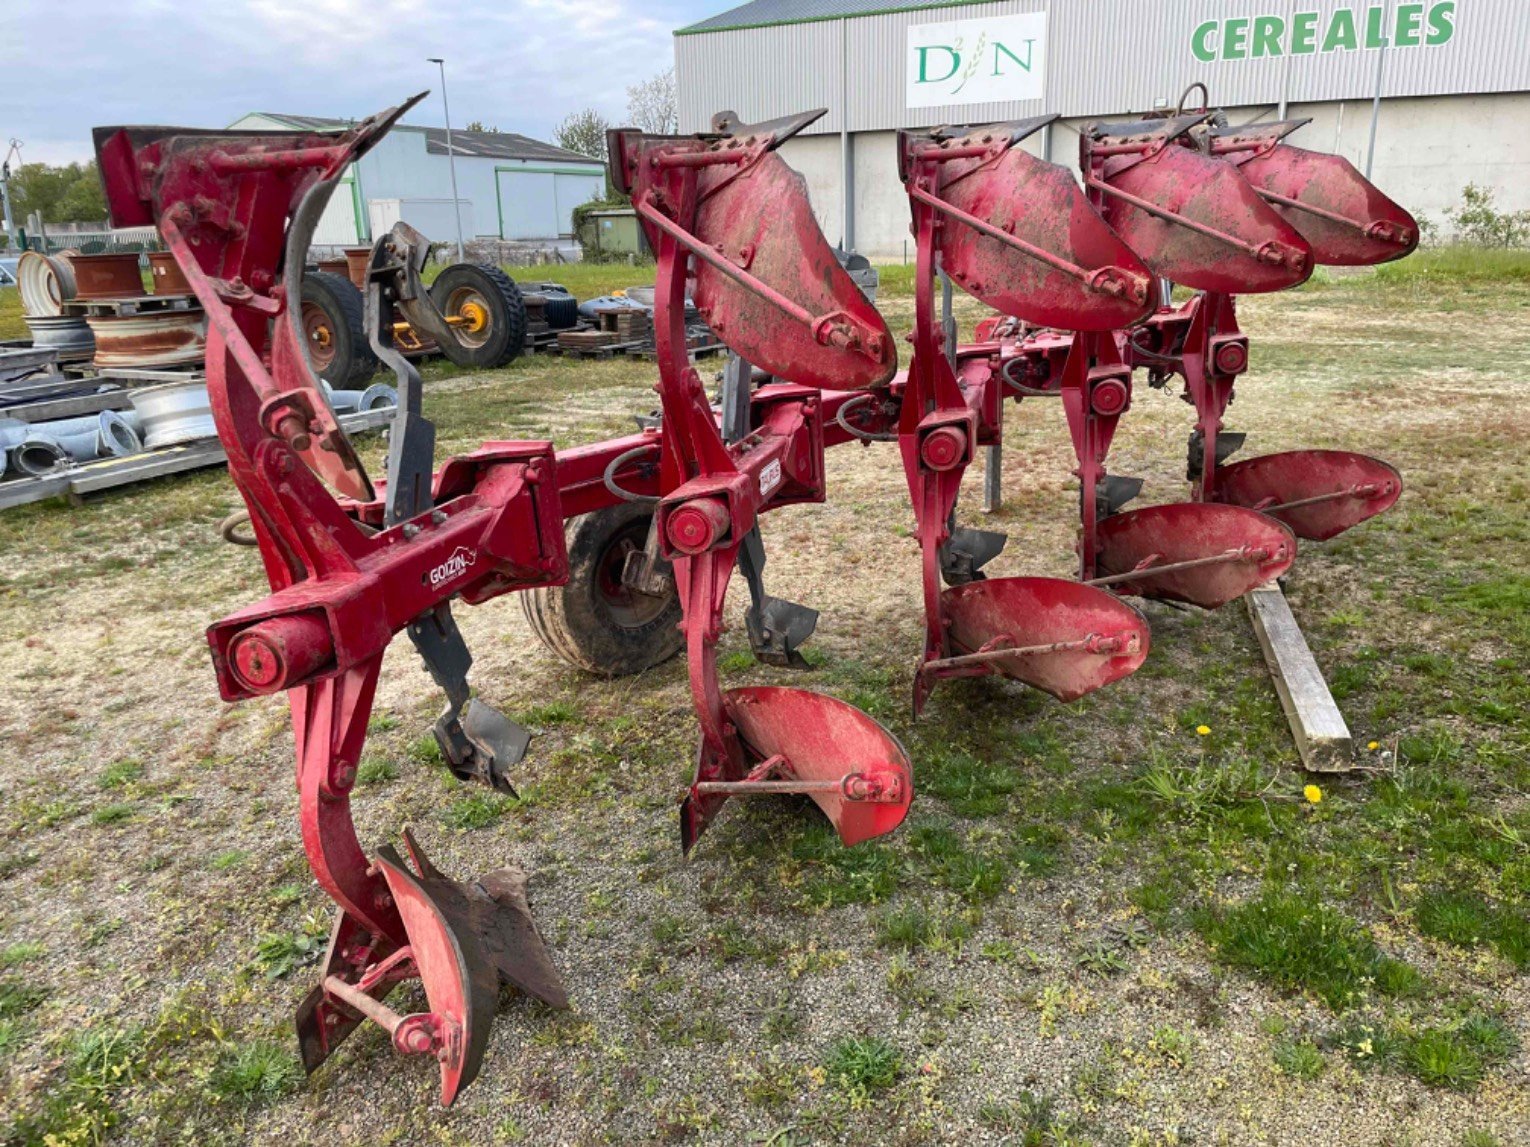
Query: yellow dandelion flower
1313	793
1202	730
1373	746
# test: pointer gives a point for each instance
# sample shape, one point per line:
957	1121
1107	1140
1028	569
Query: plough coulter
622	551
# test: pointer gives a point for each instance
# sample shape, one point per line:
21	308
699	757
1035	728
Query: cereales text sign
1349	29
977	61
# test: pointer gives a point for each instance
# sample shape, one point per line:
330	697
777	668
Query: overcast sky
519	65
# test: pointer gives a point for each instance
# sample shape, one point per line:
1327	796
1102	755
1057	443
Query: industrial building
1448	80
509	186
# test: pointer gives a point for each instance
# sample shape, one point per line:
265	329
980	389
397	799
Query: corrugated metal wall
1104	57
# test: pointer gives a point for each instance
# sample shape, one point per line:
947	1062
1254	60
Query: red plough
489	523
725	205
1235	210
1015	232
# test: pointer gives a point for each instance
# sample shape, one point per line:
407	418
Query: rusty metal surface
1041	611
165	276
1041	204
107	277
149	339
354	265
1345	217
1318	493
1181	195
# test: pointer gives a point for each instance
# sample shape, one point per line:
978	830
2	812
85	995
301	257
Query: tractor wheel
595	622
493	327
334	330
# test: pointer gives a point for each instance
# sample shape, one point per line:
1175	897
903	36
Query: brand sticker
770	478
453	567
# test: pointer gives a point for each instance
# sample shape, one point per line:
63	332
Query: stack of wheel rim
131	336
46	283
481	303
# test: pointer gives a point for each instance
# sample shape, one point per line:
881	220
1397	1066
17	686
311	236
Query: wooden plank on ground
1322	737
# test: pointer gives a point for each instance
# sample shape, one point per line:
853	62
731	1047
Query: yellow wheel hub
474	316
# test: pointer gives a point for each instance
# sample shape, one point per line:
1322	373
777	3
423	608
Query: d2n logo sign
976	61
1345	29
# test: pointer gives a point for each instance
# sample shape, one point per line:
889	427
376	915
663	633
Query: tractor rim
476	320
628	608
319	336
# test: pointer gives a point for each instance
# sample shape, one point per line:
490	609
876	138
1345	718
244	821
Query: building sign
1408	25
977	61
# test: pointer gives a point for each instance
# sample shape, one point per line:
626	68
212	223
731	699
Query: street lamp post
451	154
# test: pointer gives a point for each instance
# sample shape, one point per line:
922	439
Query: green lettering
1375	29
1341	32
1304	33
1202	41
1409	19
924	59
1234	37
1030	51
1441	23
1267	33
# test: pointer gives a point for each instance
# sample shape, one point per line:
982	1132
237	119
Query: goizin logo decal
453	567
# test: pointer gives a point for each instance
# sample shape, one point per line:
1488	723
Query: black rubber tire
561	309
344	313
506	334
579	621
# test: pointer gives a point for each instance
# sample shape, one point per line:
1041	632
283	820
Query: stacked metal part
47	283
132	328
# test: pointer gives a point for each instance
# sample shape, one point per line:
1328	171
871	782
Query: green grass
113	813
255	1071
1304	945
279	954
376	770
1458	263
478	810
1453	1054
21	952
1299	1059
120	774
1468	920
913	926
863	1065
